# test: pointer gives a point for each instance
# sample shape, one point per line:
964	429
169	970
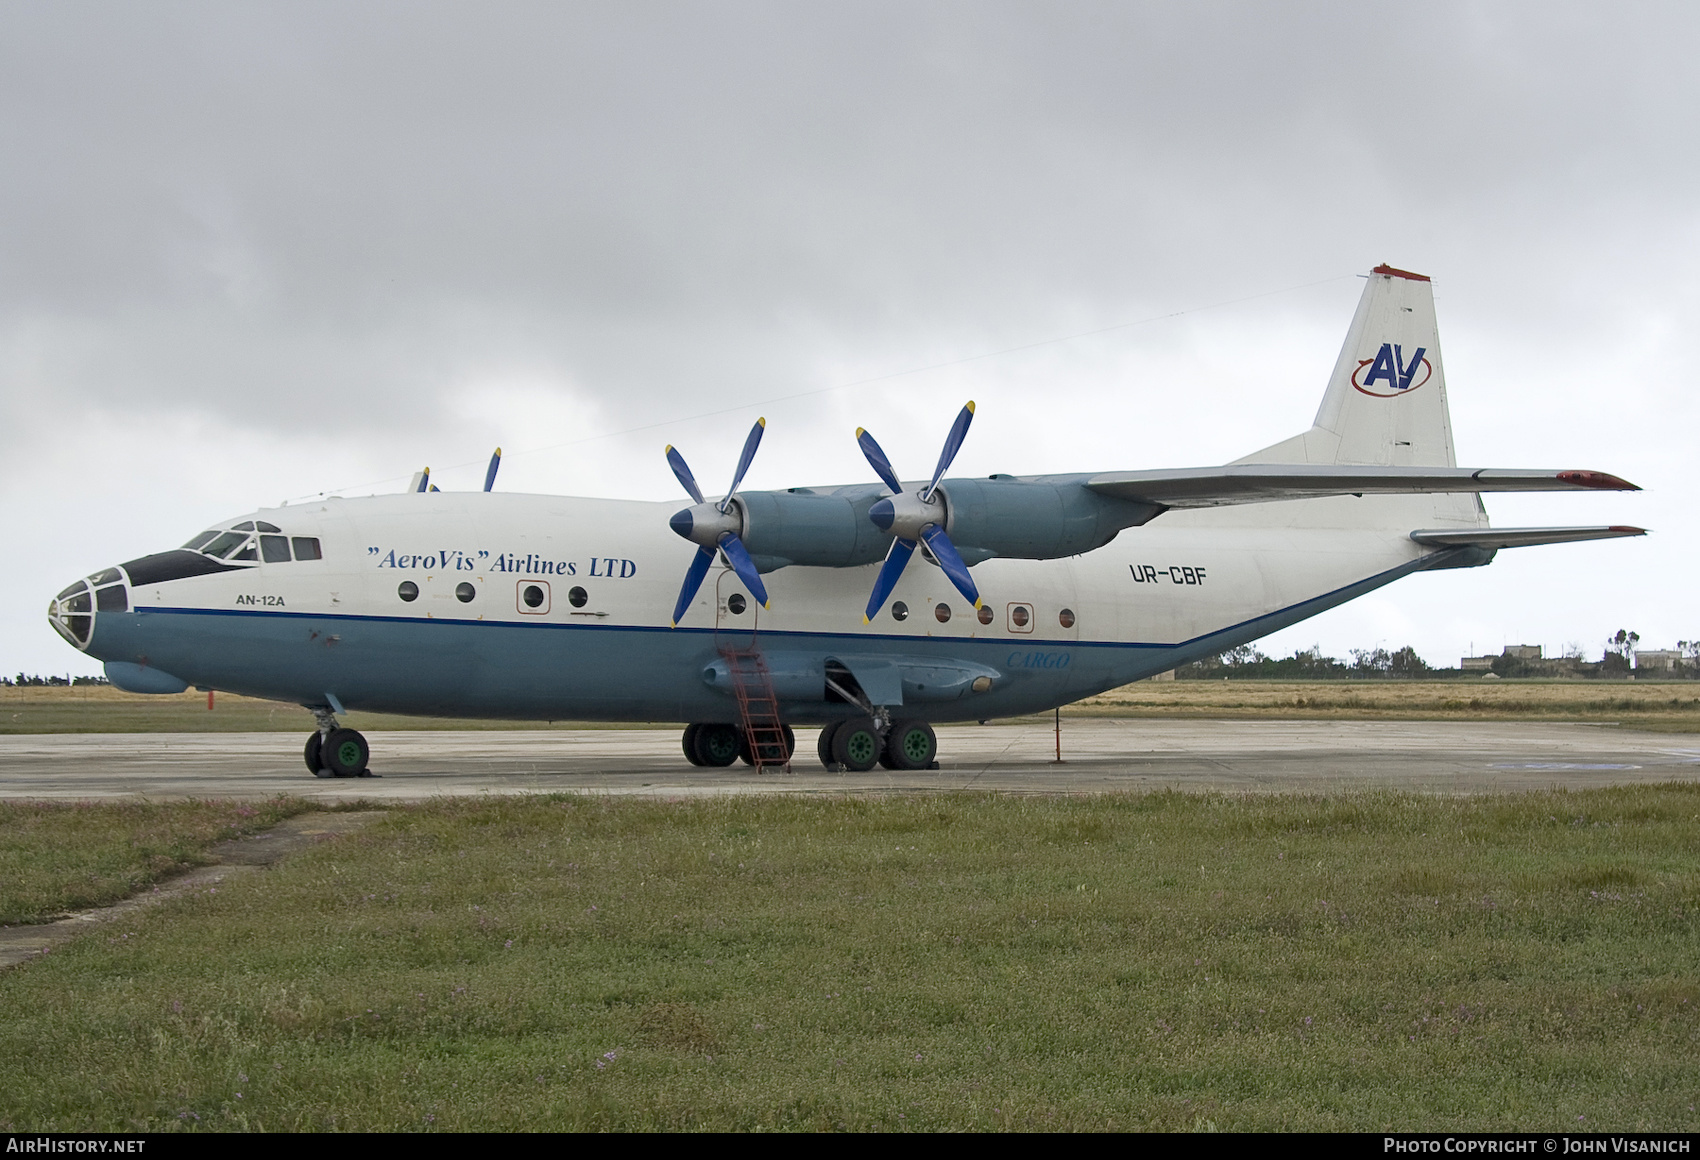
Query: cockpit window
261	525
200	541
249	551
306	547
244	526
274	549
221	546
109	576
71	591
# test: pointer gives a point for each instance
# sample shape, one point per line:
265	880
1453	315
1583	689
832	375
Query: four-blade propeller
714	527
917	517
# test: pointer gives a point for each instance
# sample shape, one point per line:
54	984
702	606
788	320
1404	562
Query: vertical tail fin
1386	401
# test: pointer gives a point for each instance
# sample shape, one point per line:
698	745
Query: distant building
1659	660
1523	652
1476	664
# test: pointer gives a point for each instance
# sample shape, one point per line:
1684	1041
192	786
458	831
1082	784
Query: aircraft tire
345	753
748	758
856	744
910	745
716	744
689	741
311	753
823	744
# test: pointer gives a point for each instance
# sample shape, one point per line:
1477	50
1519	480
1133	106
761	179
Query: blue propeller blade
744	567
876	457
895	561
952	444
951	561
750	446
693	580
425	479
683	473
490	475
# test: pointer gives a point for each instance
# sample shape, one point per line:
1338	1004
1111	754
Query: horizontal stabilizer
1201	487
1495	538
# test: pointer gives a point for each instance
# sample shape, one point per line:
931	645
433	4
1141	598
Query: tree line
1617	660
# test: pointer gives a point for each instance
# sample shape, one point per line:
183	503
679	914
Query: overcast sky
257	251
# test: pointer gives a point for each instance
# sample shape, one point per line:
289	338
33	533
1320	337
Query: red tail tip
1596	479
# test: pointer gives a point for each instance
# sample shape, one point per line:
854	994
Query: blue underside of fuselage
531	671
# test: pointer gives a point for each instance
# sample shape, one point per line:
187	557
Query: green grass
1160	961
58	857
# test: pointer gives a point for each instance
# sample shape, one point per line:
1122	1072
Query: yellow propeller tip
864	618
976	605
970	406
761	422
861	431
498	451
669	447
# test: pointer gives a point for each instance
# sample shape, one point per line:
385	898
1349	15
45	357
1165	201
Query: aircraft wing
1495	538
1201	487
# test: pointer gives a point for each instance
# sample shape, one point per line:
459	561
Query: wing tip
1597	480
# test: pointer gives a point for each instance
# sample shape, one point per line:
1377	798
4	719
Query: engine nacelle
1037	519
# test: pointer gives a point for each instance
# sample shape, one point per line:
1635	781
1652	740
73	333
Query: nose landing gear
334	751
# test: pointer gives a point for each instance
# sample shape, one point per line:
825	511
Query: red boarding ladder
758	708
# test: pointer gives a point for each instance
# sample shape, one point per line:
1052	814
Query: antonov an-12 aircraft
873	610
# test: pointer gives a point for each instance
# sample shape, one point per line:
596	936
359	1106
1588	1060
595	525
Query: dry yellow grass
1662	705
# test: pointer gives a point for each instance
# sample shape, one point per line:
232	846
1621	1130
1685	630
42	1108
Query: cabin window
577	597
274	549
306	547
533	597
736	604
900	611
943	613
1066	618
984	616
408	591
1021	618
465	592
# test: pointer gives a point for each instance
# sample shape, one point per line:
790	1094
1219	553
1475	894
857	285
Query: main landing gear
858	744
715	744
333	751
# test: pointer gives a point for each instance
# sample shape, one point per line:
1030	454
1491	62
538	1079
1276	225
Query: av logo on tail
1389	366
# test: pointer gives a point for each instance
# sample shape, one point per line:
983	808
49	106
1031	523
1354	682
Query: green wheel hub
722	745
917	746
862	746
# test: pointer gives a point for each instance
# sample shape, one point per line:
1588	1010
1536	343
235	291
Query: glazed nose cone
72	612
